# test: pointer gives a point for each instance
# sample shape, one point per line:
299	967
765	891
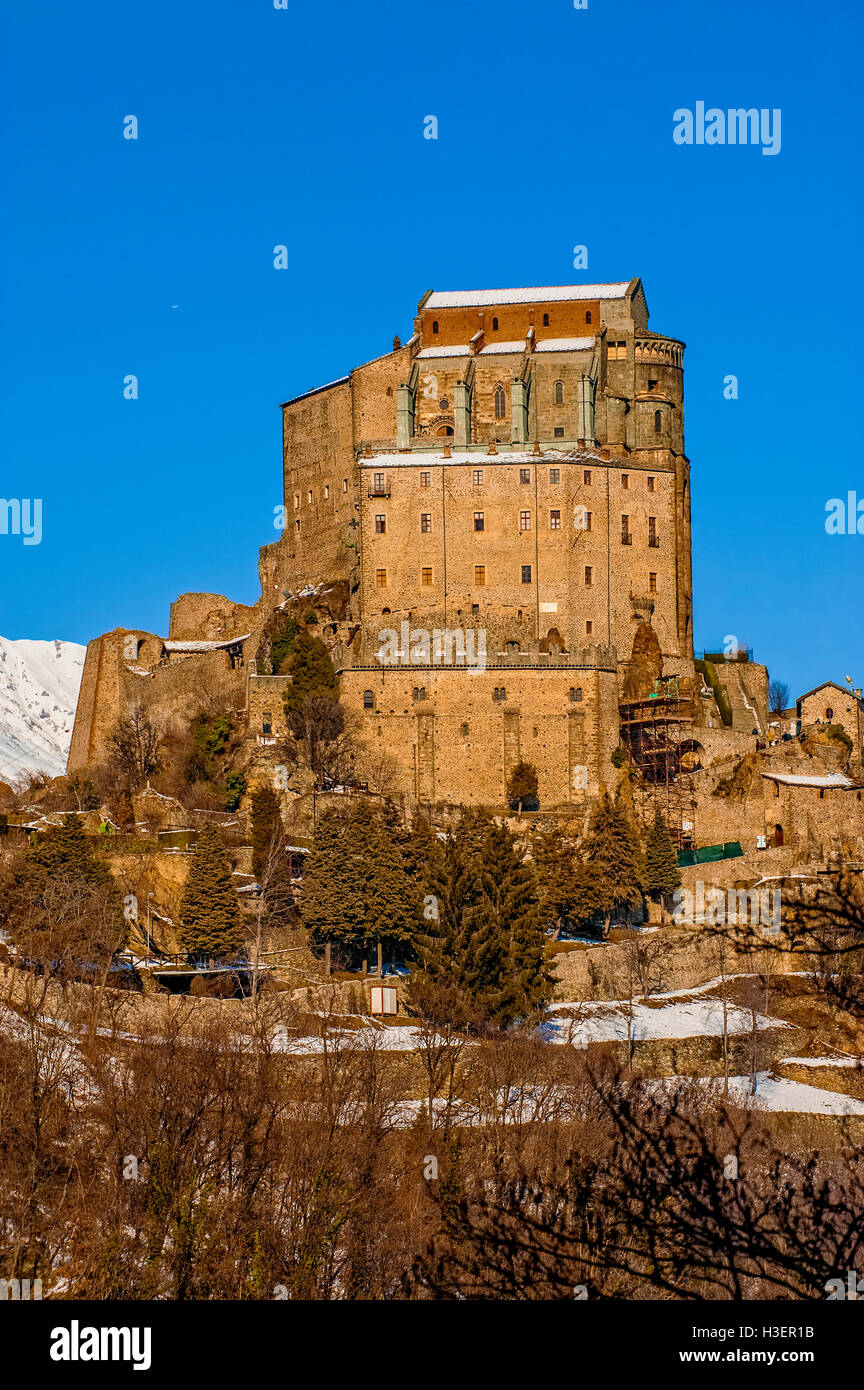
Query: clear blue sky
305	127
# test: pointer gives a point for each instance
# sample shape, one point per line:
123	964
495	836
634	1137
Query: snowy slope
38	692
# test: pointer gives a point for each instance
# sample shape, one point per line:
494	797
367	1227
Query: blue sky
304	127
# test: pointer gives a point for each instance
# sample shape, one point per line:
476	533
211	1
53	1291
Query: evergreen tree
612	852
554	852
312	673
523	785
661	875
210	923
266	828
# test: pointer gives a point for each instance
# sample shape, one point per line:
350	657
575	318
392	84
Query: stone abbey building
496	517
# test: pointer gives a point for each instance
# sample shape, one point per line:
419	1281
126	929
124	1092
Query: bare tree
135	743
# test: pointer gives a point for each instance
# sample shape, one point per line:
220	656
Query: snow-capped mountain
38	692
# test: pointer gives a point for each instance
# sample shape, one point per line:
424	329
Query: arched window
559	392
658	421
434	325
545	320
500	402
464	730
494	325
588	316
368	699
829	714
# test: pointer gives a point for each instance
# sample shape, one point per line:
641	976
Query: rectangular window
478	476
625	479
589	573
480	575
425	478
426	577
588	517
589	628
586	477
650	484
555	521
344	484
380	525
554	475
296	500
524	521
297	527
267	723
381	579
309	496
524	475
626	538
559	432
652	583
479	522
653	538
526	574
378	482
326	492
425	521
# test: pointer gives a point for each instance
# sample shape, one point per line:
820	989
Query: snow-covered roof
171	646
564	344
455	350
477	457
470	299
503	347
798	779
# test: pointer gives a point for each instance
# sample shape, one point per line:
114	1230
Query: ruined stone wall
210	618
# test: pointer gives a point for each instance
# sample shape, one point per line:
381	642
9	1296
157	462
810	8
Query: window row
627	534
310	496
499	695
426	578
480	521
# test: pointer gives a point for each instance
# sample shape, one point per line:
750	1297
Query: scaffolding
658	735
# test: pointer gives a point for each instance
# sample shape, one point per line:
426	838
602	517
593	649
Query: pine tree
661	875
613	855
210	923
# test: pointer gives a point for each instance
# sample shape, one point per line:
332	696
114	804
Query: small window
297	527
479	575
554	475
380	525
296	500
588	519
586	477
344	484
475	610
425	521
652	385
545	320
526	574
479	521
464	731
575	694
434	325
829	714
559	432
381	579
426	577
658	421
378	482
652	582
524	521
559	392
626	538
420	694
555	521
650	484
500	402
309	496
267	722
512	648
368	699
589	628
478	476
524	475
653	538
326	492
625	479
589	573
494	325
425	478
588	316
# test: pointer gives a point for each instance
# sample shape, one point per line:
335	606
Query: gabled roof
826	685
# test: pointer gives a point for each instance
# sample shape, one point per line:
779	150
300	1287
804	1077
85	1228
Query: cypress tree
661	875
266	828
210	921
